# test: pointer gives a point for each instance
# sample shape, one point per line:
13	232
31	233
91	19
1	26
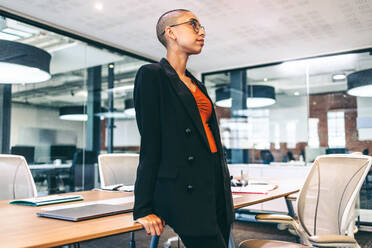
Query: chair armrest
282	219
333	241
292	197
274	218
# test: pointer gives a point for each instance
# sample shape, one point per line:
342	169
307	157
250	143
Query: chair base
254	243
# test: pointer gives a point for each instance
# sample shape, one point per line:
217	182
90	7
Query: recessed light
338	77
265	79
82	93
98	6
296	93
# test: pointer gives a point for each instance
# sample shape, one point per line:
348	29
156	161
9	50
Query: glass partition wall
85	109
283	116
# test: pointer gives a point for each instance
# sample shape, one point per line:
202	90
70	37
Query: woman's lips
201	41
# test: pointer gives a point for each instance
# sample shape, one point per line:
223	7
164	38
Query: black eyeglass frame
194	23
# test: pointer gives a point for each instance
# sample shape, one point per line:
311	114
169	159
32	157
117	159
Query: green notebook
47	200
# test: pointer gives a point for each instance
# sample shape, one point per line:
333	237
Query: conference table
21	227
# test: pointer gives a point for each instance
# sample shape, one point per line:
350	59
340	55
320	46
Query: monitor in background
336	151
312	152
237	156
26	151
63	152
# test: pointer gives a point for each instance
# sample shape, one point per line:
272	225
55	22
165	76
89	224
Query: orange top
205	110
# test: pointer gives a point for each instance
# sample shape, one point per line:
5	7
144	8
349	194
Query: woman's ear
170	34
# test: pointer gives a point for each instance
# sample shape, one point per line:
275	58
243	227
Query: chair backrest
83	164
327	199
266	156
118	168
15	178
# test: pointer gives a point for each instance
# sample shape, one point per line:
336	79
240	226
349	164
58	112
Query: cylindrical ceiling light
360	83
105	114
257	96
22	63
129	107
73	113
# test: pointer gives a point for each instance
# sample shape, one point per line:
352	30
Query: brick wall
319	105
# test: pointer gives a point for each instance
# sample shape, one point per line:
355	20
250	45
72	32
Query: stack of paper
254	189
46	200
119	187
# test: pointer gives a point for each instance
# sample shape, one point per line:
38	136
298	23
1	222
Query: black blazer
175	176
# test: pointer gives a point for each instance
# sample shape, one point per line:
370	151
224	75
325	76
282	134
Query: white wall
26	117
126	133
289	109
364	105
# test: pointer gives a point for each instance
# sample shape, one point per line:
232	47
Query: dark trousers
220	240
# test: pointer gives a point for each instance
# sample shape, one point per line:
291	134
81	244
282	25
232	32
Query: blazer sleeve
146	103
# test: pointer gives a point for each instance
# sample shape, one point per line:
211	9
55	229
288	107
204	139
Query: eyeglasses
194	23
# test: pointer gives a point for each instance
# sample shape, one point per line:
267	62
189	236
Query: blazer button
188	131
190	159
189	187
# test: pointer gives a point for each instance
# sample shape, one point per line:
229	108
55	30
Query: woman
182	178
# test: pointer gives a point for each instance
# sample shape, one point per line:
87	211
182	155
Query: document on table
119	187
46	200
254	189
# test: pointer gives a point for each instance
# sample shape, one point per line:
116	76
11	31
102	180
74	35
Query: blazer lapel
186	97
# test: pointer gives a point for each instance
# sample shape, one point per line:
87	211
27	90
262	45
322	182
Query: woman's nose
202	32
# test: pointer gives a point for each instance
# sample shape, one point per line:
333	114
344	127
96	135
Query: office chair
326	204
82	164
266	156
118	168
15	178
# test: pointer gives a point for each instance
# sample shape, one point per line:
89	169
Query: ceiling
239	33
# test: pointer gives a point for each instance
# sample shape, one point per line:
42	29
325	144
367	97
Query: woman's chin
196	51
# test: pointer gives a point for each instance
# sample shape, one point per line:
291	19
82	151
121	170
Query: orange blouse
205	110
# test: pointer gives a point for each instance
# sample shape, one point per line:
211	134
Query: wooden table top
21	227
282	190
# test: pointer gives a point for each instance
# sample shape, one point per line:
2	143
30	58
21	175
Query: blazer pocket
168	171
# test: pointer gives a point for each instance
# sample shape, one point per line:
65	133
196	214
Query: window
291	134
246	133
336	129
313	132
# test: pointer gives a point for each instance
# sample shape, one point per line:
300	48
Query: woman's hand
153	224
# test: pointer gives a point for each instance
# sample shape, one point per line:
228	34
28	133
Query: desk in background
50	166
52	173
293	174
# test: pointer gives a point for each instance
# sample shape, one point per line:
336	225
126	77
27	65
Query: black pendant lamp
257	96
360	83
22	63
73	113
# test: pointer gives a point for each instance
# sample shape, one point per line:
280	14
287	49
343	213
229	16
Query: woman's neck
178	62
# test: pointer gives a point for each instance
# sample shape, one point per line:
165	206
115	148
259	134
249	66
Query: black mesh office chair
83	161
266	156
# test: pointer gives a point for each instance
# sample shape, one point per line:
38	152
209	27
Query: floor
241	231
